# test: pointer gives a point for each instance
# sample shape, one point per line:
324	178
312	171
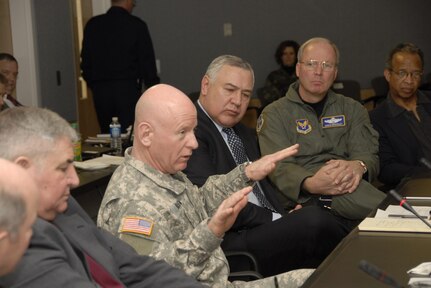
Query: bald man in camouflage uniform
151	205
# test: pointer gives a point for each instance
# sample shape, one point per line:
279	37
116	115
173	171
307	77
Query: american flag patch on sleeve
137	225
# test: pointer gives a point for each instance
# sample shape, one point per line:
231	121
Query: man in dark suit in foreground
403	120
67	249
280	241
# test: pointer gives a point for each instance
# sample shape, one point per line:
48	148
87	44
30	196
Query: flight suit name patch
333	121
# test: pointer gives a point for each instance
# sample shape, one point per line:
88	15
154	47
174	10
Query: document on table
394	225
99	162
420	276
397	219
396	211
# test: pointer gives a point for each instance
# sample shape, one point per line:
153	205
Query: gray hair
31	132
12	211
229	60
407	48
320	39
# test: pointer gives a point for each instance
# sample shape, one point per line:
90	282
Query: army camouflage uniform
166	216
276	85
343	131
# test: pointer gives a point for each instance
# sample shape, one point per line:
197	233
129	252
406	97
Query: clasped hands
229	209
336	177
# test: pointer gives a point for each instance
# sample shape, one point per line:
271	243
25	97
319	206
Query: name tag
333	121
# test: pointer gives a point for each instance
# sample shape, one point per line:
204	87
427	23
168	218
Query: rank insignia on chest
333	121
303	126
138	225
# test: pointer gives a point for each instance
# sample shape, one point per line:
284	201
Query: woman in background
277	83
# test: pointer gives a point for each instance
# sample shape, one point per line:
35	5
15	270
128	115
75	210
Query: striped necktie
240	157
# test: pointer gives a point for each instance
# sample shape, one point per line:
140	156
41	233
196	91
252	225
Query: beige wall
5	30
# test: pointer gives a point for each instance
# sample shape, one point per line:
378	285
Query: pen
417	198
404	216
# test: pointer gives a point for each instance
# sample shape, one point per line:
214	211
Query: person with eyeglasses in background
403	120
337	158
9	71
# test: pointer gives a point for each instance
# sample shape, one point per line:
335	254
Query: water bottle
77	156
115	129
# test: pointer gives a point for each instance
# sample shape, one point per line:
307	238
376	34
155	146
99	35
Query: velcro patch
303	126
138	225
333	121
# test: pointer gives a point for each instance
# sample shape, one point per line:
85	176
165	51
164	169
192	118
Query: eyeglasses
416	75
311	65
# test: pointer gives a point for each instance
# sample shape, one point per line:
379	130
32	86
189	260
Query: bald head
18	205
164	117
126	4
158	102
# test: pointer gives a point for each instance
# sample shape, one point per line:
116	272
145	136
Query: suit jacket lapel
83	238
218	139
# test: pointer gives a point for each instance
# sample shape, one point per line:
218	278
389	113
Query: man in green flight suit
338	146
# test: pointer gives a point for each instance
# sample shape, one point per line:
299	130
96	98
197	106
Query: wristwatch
363	166
243	174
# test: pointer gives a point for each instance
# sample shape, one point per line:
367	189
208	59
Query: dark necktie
13	100
240	157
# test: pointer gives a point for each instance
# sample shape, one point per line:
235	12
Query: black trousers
300	239
115	98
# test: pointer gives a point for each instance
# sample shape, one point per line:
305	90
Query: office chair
380	85
243	266
194	95
349	88
252	114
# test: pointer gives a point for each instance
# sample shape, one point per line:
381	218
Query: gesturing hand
227	212
261	168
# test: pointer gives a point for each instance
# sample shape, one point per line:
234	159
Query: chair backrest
252	113
380	85
349	88
194	95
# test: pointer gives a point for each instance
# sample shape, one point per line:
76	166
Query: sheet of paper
393	210
394	225
99	162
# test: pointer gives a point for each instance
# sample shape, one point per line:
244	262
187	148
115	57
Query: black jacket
118	46
399	150
214	157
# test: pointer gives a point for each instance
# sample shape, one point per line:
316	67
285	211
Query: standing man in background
117	57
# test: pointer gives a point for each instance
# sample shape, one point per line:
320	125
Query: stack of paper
397	219
420	276
99	162
396	211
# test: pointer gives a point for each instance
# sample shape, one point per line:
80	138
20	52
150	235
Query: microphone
425	162
378	274
405	205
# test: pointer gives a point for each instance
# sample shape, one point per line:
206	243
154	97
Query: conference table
92	183
392	252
